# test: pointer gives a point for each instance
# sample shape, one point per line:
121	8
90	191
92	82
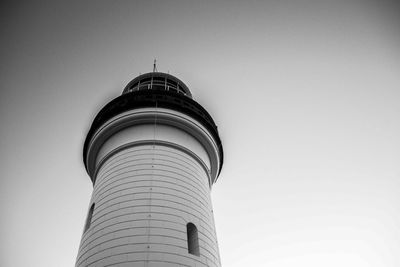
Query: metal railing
157	83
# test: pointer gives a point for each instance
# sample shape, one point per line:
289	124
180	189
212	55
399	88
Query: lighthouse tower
153	154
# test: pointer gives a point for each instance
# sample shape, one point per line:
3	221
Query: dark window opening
89	218
193	239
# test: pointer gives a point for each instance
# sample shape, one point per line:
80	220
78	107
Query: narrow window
89	218
192	239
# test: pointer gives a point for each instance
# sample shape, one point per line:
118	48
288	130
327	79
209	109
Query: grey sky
305	93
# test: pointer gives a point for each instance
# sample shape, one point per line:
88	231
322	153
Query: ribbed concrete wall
144	197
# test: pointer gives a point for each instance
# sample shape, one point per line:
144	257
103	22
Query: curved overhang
158	99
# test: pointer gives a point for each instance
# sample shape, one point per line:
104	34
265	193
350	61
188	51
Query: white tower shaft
144	198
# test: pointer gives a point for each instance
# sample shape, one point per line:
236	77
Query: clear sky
305	94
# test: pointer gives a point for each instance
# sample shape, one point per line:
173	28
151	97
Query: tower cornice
154	99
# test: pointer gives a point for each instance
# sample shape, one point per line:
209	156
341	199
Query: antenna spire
155	65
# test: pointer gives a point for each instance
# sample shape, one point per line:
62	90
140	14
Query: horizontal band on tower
152	142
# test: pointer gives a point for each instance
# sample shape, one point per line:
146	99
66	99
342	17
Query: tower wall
144	197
